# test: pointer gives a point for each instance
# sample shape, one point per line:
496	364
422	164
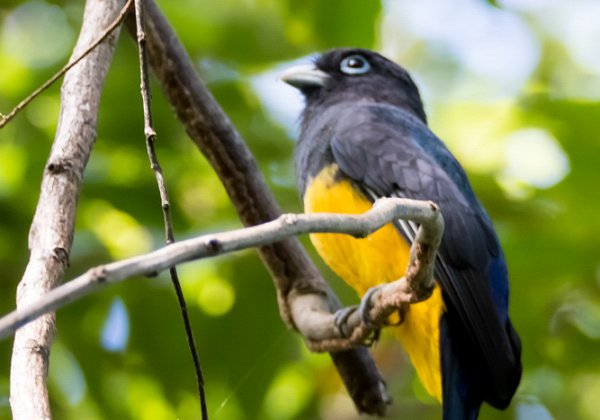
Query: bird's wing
388	152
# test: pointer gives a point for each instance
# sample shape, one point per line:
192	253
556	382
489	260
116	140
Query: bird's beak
304	76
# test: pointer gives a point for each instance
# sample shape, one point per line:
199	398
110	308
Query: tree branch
415	287
293	273
150	135
4	119
51	233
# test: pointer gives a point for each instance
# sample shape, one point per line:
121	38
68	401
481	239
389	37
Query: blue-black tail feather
461	401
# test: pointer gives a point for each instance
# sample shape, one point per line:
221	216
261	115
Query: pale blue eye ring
355	64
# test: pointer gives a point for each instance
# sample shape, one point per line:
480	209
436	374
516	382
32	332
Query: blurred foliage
122	354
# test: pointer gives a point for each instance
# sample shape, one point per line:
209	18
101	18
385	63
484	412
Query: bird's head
354	74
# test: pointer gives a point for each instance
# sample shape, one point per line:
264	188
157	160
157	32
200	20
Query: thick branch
293	273
51	233
384	211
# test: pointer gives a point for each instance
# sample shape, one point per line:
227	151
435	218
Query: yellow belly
379	258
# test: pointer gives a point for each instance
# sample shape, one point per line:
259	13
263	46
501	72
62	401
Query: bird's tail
460	402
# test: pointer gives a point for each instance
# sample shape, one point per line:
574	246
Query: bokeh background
512	86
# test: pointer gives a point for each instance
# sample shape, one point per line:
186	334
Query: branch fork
306	302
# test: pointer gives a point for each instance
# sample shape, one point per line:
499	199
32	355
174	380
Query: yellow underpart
379	258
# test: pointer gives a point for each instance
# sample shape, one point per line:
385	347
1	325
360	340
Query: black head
353	74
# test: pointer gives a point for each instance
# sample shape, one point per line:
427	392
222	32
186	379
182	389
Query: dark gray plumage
372	125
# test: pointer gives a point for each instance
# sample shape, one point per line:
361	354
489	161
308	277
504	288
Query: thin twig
294	274
292	271
150	135
384	210
5	118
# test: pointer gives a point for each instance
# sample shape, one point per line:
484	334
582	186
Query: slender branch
150	135
387	299
384	210
294	275
5	118
51	233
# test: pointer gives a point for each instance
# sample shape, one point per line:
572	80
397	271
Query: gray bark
51	233
312	318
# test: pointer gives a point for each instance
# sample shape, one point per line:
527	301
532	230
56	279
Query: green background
518	106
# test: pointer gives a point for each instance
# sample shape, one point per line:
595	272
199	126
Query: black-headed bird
364	135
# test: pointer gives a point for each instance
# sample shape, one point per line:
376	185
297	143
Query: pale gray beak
304	76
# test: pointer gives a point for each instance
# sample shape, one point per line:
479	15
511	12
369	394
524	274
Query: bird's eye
355	64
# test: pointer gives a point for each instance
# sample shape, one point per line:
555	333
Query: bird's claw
341	317
365	311
366	305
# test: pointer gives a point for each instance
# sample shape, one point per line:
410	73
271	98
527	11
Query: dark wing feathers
391	153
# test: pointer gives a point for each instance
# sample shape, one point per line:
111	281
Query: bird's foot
364	308
340	319
366	305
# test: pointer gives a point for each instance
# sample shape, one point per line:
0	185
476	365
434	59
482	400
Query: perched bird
364	135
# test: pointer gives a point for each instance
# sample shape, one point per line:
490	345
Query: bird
363	136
